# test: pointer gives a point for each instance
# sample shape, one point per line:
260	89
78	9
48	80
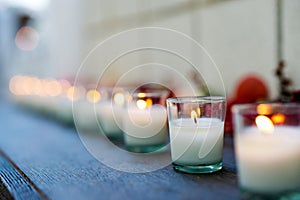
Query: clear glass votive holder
145	121
110	110
196	128
267	148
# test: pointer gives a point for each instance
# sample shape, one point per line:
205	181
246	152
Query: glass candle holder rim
269	145
196	99
152	93
251	107
113	89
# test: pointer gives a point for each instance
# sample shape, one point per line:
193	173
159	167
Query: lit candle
268	156
196	127
85	111
110	115
85	116
196	141
63	110
145	125
67	101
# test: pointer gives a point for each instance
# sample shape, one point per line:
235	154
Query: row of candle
49	96
94	109
140	118
266	142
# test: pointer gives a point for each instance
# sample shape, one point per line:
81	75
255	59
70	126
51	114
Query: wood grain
15	184
4	193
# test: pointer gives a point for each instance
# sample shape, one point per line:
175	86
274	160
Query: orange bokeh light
53	88
264	109
74	93
15	85
93	96
278	118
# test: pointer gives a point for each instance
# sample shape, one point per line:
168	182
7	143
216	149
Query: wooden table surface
42	159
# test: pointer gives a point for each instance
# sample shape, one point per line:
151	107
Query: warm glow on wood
264	124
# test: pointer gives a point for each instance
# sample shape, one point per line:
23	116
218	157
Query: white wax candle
269	163
85	116
110	118
196	143
63	109
145	127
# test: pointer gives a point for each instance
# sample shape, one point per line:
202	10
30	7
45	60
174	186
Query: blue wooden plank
55	160
14	184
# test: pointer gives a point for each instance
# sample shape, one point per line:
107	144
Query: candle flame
14	85
194	116
141	104
73	93
52	88
93	96
119	99
264	124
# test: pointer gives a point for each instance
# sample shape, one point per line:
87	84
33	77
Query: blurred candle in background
110	111
144	121
267	144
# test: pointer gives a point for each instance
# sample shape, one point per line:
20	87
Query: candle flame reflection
141	95
149	102
199	111
278	118
264	124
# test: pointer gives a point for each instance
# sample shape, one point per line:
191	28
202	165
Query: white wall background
291	39
240	35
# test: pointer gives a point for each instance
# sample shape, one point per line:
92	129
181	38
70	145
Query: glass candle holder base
198	169
146	148
247	195
115	137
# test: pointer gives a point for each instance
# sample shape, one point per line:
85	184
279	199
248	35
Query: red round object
251	89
